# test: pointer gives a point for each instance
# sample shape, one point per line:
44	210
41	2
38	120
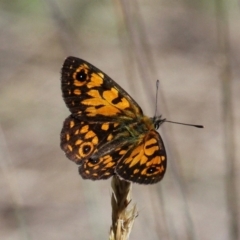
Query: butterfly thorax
143	125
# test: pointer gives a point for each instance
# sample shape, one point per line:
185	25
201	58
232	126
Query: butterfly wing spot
78	142
152	170
77	83
77	92
89	134
136	171
85	149
110	164
80	77
106	159
69	148
107	174
93	161
93	136
81	73
95	140
122	152
71	124
67	137
84	129
101	75
96	81
110	137
105	126
149	171
95	99
96	167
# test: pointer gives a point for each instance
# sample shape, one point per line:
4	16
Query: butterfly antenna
157	85
192	125
164	120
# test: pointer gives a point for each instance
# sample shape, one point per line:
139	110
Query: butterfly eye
156	125
81	76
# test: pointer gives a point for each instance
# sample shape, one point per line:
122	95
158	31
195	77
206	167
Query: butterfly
107	132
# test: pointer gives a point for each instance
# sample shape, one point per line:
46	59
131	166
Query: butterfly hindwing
95	146
81	139
102	165
146	163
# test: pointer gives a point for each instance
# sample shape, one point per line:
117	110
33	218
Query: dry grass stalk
122	217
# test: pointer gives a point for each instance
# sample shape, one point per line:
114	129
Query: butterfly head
157	121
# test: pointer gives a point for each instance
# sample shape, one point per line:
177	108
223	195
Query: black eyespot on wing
151	170
81	76
86	149
93	160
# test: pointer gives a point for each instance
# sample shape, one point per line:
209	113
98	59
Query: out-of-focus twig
228	123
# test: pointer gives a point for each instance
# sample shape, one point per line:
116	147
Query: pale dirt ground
42	195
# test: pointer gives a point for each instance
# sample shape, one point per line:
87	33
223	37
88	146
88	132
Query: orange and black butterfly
107	132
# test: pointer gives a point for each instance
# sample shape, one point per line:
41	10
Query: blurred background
192	47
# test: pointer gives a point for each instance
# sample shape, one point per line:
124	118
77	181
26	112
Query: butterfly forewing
90	93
